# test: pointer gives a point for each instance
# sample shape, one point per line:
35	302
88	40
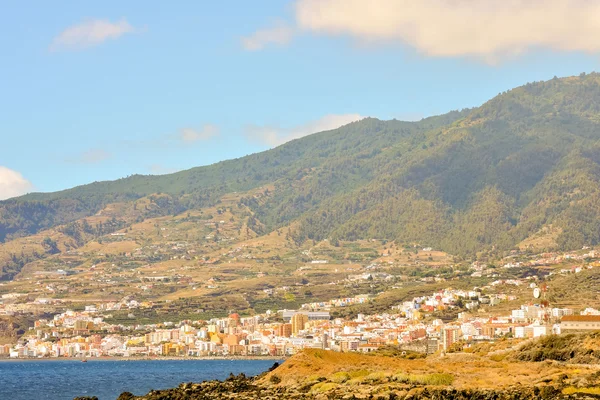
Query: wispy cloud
13	184
275	135
191	135
89	33
92	156
279	33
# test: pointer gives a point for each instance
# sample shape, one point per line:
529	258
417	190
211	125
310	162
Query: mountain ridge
470	182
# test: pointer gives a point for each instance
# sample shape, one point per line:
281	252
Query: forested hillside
471	181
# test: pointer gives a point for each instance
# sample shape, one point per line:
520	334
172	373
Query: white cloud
12	184
190	135
280	34
486	29
90	33
274	135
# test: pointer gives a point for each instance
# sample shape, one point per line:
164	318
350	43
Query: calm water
65	379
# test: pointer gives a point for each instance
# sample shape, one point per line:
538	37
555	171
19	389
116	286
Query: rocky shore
539	370
250	388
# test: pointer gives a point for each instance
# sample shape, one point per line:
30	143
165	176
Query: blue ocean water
107	379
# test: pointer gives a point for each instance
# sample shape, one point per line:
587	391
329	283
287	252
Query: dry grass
434	379
466	371
545	238
123	246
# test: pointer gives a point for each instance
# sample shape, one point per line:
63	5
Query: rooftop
581	318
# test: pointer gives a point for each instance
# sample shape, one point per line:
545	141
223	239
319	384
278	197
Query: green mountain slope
523	160
478	180
205	185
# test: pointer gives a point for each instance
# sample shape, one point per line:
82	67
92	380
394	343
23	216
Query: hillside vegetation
468	182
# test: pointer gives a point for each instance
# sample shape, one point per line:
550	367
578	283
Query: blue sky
101	90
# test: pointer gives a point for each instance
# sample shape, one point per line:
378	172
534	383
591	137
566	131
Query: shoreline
205	358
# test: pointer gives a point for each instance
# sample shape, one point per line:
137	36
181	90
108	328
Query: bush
359	373
316	378
569	347
275	379
590	390
376	377
401	377
438	379
356	381
323	387
340	377
429	379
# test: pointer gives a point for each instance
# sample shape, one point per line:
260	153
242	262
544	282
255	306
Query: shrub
438	379
359	373
356	381
589	390
340	377
401	377
275	379
429	379
569	347
376	377
323	387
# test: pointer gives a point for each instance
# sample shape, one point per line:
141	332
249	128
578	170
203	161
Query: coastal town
419	325
300	199
200	284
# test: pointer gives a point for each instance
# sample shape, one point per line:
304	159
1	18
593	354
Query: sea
107	379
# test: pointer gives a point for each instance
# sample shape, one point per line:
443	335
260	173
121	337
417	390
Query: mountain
523	167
